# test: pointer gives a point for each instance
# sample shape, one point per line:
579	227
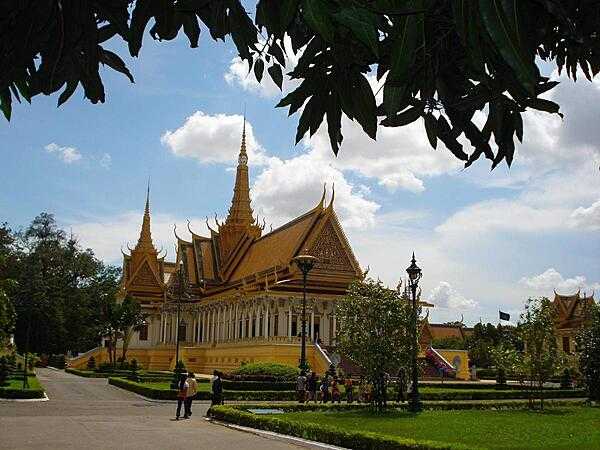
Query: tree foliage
540	359
589	358
374	331
57	289
486	337
440	61
7	284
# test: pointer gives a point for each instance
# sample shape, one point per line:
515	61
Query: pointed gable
331	248
145	277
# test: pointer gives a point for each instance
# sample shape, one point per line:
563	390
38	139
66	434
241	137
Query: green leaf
5	103
363	24
431	129
114	61
288	10
142	13
365	108
259	67
334	123
276	75
544	105
191	28
66	94
404	118
518	125
500	20
317	14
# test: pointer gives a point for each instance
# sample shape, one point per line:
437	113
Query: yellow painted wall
463	371
206	358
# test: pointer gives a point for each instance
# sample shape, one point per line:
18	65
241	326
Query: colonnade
257	318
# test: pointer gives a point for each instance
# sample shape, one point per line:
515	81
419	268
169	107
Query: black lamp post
305	263
180	293
414	275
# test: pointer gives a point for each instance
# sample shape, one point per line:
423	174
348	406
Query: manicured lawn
14	389
564	428
13	383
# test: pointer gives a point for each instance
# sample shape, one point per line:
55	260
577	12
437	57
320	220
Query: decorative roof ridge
331	211
292	222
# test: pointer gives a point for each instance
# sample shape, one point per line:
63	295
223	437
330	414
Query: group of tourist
187	389
327	388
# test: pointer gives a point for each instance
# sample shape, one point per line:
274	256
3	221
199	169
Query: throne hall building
242	292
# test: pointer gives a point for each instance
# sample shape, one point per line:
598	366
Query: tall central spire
145	240
240	212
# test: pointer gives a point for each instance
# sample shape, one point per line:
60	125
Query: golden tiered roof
237	257
143	269
572	310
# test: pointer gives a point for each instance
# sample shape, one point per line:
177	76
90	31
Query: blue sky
485	240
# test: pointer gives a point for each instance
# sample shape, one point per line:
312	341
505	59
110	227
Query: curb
276	436
25	400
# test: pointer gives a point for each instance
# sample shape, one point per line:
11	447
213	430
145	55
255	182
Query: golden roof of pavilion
237	258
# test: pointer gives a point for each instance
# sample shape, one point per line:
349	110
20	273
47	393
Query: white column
312	324
266	321
289	333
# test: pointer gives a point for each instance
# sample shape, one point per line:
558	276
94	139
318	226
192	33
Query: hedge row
501	395
124	373
171	394
258	386
20	393
475	385
323	433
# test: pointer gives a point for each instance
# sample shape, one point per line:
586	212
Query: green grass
14	389
15	383
564	428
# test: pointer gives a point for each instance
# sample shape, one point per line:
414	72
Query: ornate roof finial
332	196
145	240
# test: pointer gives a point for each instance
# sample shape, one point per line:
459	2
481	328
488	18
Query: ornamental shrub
133	376
91	363
3	369
267	369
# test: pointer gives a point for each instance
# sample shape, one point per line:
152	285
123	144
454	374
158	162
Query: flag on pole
504	316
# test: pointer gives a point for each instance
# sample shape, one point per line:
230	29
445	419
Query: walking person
182	388
301	387
349	389
401	386
312	387
217	389
191	393
335	392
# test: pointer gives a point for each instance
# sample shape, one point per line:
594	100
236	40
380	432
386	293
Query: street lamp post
414	275
305	263
181	290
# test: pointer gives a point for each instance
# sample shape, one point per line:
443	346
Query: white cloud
587	218
105	161
107	235
238	74
445	296
68	155
213	139
288	188
551	279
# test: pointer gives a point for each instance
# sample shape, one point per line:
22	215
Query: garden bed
13	389
162	391
362	428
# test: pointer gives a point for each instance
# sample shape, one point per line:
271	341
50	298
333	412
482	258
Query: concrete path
87	413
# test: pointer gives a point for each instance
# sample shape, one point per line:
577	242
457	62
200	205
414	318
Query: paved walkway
87	413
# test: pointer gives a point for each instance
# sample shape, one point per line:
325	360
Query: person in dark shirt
217	388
